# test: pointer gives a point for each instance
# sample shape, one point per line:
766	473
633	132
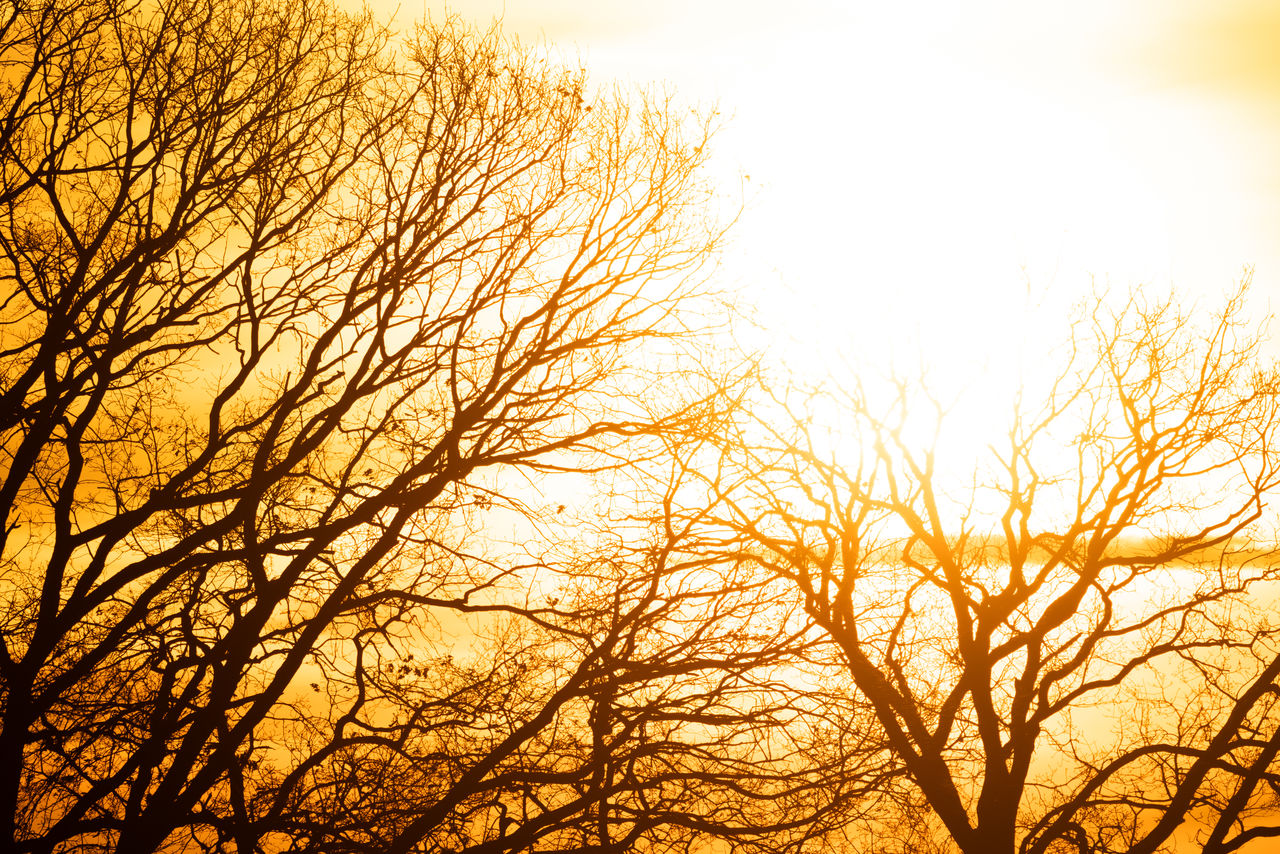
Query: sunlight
842	425
920	176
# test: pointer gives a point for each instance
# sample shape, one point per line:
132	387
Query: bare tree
293	316
1071	651
635	704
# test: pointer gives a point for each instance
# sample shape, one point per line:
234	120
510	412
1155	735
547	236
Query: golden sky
920	170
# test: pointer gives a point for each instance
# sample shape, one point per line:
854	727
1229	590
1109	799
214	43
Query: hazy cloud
1228	48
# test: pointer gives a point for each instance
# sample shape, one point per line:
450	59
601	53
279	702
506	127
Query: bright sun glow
919	176
930	186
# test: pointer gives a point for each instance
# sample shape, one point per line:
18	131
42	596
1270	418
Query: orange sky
921	170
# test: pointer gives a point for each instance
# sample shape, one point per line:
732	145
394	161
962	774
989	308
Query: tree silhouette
639	707
294	316
310	337
1072	651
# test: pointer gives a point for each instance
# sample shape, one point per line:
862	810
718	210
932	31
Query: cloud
1228	49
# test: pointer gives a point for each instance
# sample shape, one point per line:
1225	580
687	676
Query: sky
919	175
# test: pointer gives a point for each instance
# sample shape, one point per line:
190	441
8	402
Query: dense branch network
1072	651
289	306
